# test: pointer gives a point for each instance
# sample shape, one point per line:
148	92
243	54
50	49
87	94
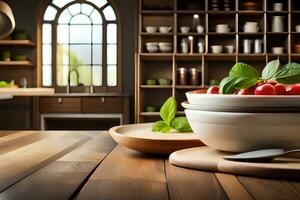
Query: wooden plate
139	137
208	159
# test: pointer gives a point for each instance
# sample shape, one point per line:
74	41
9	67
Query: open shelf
17	43
156	86
16	63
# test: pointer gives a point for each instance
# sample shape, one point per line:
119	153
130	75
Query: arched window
80	45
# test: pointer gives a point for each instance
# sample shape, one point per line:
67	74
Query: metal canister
257	46
184	45
182	76
194	76
200	45
247	45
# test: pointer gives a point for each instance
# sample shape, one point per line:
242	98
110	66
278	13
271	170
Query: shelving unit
177	13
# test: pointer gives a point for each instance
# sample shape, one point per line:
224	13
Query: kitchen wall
25	15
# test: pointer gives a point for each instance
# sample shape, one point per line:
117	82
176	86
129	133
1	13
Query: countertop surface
90	165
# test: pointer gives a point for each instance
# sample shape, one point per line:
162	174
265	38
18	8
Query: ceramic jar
277	24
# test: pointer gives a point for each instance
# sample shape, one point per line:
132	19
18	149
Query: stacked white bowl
236	123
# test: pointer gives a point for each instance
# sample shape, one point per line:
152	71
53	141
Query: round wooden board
208	159
139	137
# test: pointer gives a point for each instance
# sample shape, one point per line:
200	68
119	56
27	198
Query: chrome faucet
69	79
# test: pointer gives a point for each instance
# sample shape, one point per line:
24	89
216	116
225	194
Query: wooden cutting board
208	159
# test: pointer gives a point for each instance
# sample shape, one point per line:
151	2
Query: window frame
79	89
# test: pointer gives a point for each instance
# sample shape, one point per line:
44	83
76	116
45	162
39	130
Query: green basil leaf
244	82
168	110
289	74
243	70
181	124
158	126
227	85
166	129
270	69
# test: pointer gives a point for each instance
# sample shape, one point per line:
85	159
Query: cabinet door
60	105
102	105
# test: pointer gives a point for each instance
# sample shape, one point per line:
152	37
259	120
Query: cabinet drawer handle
102	99
60	100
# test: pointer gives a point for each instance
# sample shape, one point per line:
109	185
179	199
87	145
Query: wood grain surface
89	165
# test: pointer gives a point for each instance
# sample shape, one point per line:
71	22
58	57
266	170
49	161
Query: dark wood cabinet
60	105
101	105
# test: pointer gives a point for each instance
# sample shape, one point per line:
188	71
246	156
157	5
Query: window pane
80	19
98	3
80	34
80	54
97	75
61	3
47	75
109	13
85	74
47	54
96	17
111	75
86	9
63	34
64	17
74	9
111	54
112	33
97	54
97	33
62	75
50	13
47	33
62	54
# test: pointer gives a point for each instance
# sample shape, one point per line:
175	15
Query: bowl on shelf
150	109
152	47
277	50
249	5
165	29
20	35
216	49
185	29
20	57
200	29
297	28
165	47
164	81
240	132
229	48
151	29
151	81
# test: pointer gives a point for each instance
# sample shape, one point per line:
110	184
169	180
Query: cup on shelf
164	29
200	29
151	29
152	47
277	23
258	46
216	48
165	47
229	49
277	50
185	29
277	6
222	28
297	28
247	46
251	27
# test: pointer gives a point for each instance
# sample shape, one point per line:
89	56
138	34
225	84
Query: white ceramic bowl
165	29
240	132
165	44
200	29
185	29
151	29
152	49
244	101
277	50
216	48
165	49
229	48
152	44
297	28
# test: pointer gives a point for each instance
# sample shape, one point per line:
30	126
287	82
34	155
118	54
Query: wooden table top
90	165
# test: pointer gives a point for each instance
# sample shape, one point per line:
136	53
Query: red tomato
293	89
272	82
213	90
265	89
280	89
249	91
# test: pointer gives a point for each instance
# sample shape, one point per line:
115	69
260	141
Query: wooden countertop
28	91
89	165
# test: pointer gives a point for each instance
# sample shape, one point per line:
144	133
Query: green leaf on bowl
243	70
159	126
168	110
181	124
289	74
270	69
